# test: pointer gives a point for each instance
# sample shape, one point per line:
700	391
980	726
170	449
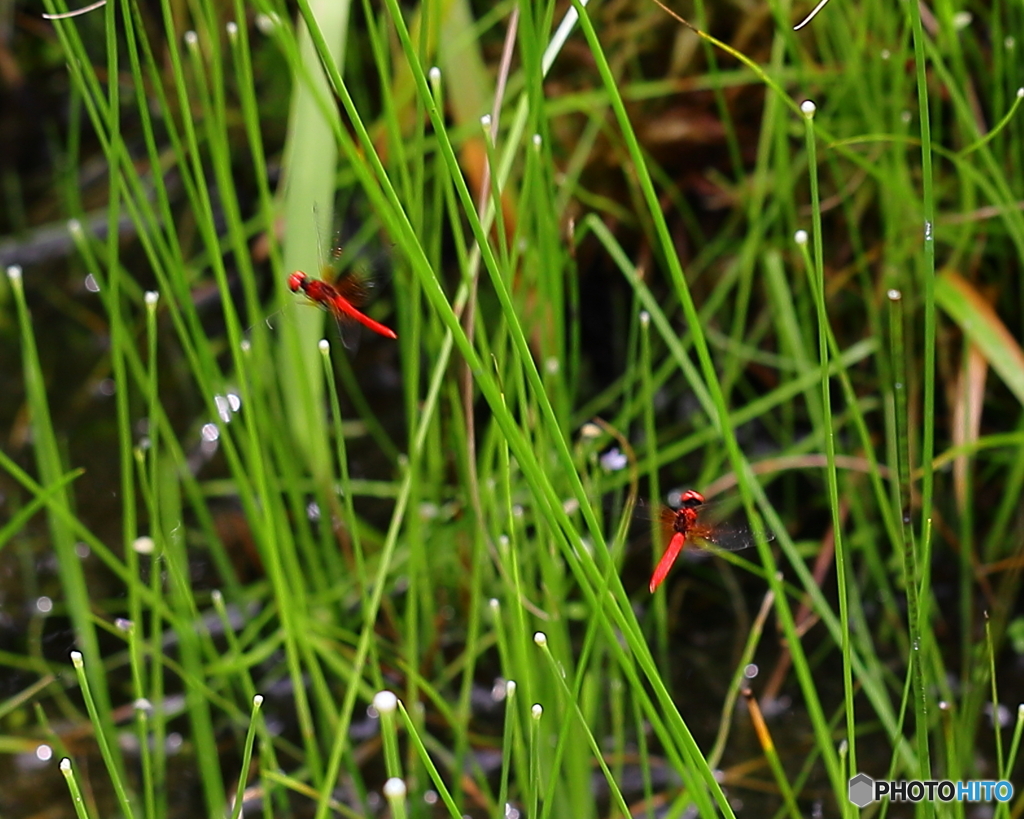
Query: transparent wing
724	538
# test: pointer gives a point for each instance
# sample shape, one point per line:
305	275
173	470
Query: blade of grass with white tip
52	474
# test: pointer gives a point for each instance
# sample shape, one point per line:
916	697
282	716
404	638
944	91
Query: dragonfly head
689	499
297	280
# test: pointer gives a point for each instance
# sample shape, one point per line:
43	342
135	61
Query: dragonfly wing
348	328
728	538
354	287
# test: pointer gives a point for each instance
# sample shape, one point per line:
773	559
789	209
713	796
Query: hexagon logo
862	790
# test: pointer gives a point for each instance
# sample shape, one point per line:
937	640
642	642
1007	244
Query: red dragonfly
342	299
688	528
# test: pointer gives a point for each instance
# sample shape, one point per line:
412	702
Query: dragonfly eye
296	280
690	499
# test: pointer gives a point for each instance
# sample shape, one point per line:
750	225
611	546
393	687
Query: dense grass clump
628	253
